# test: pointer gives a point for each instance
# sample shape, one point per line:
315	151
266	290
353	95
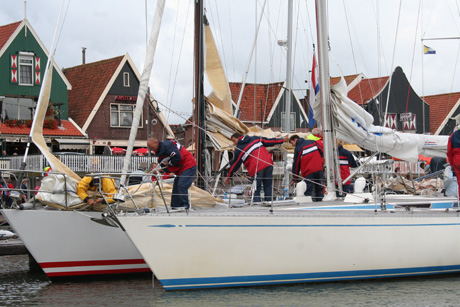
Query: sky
111	28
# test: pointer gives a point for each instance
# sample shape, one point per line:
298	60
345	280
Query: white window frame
292	122
126	79
133	106
26	56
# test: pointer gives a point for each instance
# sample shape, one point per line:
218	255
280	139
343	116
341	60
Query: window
126	79
291	123
14	108
26	66
121	115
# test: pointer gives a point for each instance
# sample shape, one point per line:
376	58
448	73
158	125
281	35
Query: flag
314	89
428	50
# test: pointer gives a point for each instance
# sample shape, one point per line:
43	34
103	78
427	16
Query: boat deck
399	205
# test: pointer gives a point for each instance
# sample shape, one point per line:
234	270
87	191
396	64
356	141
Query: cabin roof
67	128
441	106
257	100
89	82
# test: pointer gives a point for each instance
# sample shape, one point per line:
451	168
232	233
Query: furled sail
353	124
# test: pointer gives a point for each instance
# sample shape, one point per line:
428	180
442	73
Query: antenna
25	16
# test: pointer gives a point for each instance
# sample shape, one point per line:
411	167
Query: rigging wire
172	54
412	64
179	58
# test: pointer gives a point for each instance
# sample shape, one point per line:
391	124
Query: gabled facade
23	59
103	101
406	111
264	105
444	112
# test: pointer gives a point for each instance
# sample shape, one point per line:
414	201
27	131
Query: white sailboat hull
205	251
67	243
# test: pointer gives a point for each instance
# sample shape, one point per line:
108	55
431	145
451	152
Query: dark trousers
182	183
346	188
314	186
265	178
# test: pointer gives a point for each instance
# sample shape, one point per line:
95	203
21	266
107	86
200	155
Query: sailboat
72	241
334	241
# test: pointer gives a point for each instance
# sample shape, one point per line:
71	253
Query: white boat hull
199	251
66	243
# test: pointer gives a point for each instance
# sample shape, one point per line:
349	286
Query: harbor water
20	286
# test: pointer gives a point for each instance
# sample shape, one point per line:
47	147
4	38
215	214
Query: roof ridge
101	62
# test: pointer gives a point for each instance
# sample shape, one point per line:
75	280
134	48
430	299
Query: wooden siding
8	89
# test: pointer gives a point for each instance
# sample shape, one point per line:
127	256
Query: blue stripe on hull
259	280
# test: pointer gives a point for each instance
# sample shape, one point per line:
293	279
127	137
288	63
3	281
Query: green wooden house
23	59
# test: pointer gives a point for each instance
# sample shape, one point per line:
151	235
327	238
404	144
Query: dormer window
126	79
26	68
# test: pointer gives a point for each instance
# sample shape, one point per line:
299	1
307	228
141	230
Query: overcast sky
110	28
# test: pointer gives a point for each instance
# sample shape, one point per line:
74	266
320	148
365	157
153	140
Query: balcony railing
77	163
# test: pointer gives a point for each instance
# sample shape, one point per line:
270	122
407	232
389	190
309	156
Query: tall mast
287	114
325	94
200	134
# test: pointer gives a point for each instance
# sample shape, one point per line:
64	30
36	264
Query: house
103	100
404	110
264	105
23	59
445	112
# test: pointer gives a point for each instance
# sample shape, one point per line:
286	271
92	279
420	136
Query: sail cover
355	125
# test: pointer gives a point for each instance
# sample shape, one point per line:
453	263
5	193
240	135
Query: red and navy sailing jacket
453	150
178	157
307	158
251	151
346	161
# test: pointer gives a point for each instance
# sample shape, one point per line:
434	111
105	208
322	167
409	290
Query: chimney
83	52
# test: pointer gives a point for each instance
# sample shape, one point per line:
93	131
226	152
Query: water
21	287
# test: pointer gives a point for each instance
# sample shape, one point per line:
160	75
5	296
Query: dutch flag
314	82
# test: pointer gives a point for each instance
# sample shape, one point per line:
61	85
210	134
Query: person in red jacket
174	158
252	152
308	159
453	152
346	161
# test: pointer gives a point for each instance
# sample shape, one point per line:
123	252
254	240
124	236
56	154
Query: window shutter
37	71
14	69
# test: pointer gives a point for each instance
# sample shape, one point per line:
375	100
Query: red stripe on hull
98	272
45	265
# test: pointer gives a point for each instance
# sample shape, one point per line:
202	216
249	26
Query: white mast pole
325	95
143	85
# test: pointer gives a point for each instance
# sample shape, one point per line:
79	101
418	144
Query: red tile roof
367	89
440	106
6	31
348	79
67	129
88	82
257	100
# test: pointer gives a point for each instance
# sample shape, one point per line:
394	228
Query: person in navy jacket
346	161
252	152
453	152
308	160
175	159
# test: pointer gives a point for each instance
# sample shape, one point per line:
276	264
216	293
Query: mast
288	94
143	85
200	134
287	111
325	95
